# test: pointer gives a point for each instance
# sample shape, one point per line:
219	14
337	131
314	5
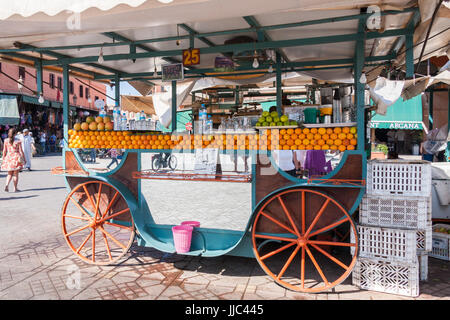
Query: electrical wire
428	32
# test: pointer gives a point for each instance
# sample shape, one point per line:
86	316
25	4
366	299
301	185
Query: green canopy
9	110
401	115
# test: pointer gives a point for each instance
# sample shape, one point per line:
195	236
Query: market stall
263	185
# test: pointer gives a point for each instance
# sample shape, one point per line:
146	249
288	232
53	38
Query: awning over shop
9	110
401	115
34	100
137	104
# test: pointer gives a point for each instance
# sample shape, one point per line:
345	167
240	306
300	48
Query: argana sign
396	125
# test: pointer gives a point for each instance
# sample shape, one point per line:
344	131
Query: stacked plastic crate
394	228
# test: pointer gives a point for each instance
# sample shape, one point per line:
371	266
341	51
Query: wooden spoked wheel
294	242
97	223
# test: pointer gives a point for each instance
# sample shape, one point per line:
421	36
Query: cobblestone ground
36	263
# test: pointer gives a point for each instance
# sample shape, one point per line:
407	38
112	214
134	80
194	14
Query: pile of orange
339	138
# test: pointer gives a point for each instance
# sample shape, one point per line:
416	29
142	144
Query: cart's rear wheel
294	243
97	223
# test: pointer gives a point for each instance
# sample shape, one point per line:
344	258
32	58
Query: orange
286	136
317	147
317	136
313	142
338	142
346	130
301	147
329	142
290	142
329	131
298	131
283	131
290	131
282	142
305	130
350	147
325	147
301	136
342	148
286	148
321	142
337	130
322	131
309	147
333	136
353	142
305	142
345	142
298	142
310	136
314	130
353	130
294	147
294	136
325	136
350	136
342	136
333	147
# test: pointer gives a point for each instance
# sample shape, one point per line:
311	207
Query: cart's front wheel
295	243
97	223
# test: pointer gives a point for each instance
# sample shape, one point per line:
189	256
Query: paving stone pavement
36	263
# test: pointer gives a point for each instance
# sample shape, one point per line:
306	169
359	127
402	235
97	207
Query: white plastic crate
424	239
399	177
440	243
395	211
387	276
387	244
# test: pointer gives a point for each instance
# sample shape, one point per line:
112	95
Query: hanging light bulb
270	68
19	84
100	56
41	98
255	63
363	78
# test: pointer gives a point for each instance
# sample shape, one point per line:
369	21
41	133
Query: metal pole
279	83
409	56
174	106
359	87
66	103
117	90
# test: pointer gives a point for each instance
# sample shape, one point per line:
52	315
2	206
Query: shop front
401	129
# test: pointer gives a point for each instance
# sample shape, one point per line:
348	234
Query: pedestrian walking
114	154
27	147
13	159
43	141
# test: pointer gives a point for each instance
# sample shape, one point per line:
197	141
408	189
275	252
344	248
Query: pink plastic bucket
195	224
182	236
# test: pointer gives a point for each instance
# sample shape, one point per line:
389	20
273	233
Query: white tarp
385	93
162	101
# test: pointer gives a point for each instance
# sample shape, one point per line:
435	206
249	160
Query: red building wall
9	86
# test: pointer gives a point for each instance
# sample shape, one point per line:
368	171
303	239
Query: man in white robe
27	146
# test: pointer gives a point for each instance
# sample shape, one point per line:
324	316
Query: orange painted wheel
97	223
294	242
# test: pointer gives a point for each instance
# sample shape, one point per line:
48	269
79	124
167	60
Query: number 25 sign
191	57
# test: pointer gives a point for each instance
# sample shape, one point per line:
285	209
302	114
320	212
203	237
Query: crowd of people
19	144
44	140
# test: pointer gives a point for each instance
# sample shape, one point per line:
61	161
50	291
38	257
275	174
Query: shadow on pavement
16	198
41	189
